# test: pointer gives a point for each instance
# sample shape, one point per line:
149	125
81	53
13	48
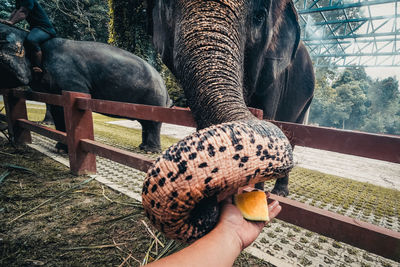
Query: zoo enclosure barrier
79	137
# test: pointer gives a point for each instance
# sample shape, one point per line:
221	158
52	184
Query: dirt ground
52	218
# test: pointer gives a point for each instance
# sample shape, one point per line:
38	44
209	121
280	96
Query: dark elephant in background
230	54
104	71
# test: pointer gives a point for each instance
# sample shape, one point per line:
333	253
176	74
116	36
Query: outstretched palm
245	230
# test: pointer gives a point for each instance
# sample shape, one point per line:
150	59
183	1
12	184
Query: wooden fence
83	149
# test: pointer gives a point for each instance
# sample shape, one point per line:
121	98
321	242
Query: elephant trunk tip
213	162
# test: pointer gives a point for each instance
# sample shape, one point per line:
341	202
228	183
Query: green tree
340	101
128	30
384	109
351	100
72	19
85	20
324	96
6	6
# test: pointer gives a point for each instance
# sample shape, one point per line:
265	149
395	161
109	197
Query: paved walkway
372	171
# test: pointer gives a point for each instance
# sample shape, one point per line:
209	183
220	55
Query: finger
274	204
275	211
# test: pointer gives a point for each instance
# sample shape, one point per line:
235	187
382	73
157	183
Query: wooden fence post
79	125
16	109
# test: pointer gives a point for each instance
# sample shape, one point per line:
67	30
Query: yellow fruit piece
253	205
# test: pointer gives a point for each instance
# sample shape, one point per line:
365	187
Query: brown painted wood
360	234
16	109
52	99
127	158
137	111
375	146
79	125
179	116
43	130
258	113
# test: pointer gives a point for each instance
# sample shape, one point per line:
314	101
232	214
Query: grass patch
343	194
123	136
80	226
69	222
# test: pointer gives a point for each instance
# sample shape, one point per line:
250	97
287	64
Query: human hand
231	219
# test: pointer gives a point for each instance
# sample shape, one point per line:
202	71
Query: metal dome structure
351	33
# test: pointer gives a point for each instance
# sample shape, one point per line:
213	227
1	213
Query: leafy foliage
121	23
351	100
6	7
128	30
73	19
85	20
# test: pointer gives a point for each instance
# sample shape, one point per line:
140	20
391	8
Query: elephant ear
286	35
277	57
161	25
14	67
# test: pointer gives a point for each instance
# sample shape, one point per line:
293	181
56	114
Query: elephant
231	54
104	71
227	55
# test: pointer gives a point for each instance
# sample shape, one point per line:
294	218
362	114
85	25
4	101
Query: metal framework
351	33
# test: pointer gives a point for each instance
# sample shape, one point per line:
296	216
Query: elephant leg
302	116
48	118
299	94
58	116
281	186
150	136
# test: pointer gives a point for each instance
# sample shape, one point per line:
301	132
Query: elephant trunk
182	190
209	59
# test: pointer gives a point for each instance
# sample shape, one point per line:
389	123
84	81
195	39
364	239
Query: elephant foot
281	187
47	122
282	191
61	148
150	149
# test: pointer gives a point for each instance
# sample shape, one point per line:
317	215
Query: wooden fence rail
79	137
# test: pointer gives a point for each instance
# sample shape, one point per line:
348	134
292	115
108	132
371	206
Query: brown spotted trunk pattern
181	191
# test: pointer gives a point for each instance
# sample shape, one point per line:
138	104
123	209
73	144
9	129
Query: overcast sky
383	72
381	10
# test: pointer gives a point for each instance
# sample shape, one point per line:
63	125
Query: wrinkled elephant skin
104	71
229	54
